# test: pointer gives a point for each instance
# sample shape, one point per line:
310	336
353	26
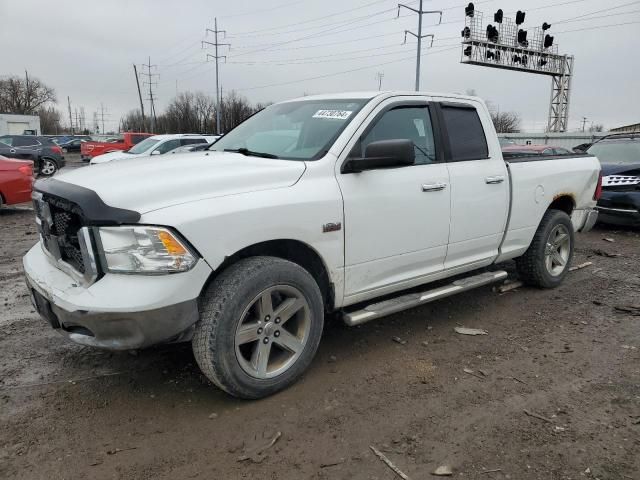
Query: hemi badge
331	227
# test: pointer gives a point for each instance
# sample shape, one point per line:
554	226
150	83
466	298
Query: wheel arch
295	251
564	202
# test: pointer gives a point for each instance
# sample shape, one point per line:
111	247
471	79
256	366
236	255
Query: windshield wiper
251	153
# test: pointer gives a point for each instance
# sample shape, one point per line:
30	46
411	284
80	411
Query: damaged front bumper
118	312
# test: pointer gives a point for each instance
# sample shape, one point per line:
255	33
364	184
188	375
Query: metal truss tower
506	46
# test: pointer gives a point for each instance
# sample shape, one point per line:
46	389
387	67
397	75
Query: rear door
479	185
396	219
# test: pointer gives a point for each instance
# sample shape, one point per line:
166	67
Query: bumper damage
118	312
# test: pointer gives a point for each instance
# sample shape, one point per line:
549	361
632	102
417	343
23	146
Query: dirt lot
567	356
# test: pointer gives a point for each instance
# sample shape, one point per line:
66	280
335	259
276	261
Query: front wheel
48	167
546	262
260	325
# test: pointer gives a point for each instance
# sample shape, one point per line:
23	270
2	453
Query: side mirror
383	154
156	152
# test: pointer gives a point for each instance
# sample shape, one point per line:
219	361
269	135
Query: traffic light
467	51
490	55
492	34
548	41
516	59
542	62
469	10
546	26
522	38
519	17
497	17
466	32
525	59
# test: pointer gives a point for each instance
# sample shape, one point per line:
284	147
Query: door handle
13	150
433	187
493	180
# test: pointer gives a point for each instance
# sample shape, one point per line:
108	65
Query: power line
253	12
598	11
303	22
317	77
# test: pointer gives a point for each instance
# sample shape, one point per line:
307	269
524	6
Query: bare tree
195	112
24	95
598	127
49	120
504	122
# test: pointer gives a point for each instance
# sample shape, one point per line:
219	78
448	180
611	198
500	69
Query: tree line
193	112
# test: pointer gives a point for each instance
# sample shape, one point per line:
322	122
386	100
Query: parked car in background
533	150
619	157
72	145
156	145
16	180
43	151
193	148
91	149
328	203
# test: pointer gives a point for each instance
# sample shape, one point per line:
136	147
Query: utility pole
27	96
70	117
135	71
419	35
77	123
584	122
380	76
102	113
152	106
216	44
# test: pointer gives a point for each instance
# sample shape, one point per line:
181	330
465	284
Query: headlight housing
143	249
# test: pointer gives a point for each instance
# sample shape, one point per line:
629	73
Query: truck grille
59	223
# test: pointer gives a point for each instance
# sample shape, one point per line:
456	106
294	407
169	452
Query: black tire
532	266
48	167
221	309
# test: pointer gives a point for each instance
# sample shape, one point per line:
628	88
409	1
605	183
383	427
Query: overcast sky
86	49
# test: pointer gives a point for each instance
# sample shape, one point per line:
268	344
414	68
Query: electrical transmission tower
380	76
216	57
419	35
149	81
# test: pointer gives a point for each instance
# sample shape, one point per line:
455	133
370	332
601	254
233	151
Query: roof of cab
368	95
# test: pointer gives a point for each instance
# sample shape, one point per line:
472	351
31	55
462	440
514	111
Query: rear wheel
48	167
260	325
546	262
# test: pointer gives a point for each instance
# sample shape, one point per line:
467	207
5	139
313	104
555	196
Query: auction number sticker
339	114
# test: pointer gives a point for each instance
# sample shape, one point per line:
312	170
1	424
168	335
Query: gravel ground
568	357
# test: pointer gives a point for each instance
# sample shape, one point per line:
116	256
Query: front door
396	220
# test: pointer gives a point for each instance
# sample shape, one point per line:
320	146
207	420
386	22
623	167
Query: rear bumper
118	312
584	219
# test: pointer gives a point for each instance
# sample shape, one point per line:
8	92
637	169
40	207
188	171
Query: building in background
13	124
635	127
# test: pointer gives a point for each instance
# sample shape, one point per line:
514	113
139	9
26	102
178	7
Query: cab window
405	123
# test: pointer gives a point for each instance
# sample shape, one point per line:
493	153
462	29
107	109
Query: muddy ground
566	356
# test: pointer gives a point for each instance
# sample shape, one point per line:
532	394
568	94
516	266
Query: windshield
616	152
301	130
143	146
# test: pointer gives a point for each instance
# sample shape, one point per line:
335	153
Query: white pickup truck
348	203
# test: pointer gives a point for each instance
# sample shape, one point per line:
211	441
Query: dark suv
619	157
43	151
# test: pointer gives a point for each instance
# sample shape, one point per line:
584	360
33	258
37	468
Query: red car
16	179
514	150
88	150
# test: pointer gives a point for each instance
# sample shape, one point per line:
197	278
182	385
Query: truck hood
108	157
150	183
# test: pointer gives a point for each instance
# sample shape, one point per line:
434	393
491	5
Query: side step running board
404	302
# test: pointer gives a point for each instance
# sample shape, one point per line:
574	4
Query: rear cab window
466	136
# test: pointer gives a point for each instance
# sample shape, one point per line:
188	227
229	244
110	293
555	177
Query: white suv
156	145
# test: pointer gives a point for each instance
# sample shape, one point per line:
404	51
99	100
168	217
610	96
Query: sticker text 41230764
338	114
